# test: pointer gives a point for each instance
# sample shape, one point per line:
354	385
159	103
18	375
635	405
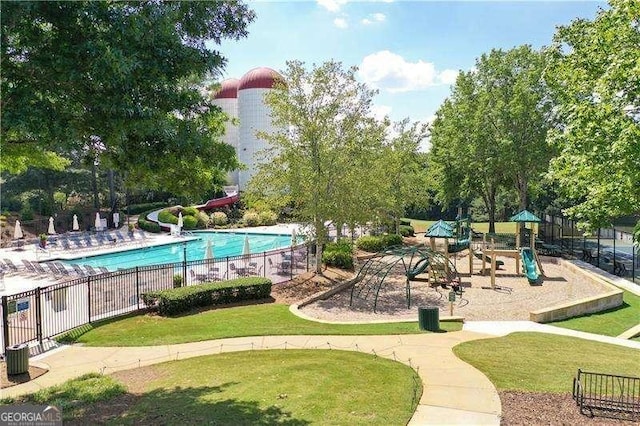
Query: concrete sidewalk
502	328
454	392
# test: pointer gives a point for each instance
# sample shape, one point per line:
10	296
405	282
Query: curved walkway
454	392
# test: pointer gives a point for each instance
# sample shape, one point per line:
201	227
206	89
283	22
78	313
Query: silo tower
227	99
254	116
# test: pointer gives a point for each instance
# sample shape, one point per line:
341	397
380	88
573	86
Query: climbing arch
414	260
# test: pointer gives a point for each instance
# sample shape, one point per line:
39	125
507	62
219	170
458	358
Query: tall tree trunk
112	192
320	240
94	185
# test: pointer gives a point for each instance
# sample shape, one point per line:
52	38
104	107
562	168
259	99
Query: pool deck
12	283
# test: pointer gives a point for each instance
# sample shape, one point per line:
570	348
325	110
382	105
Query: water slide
420	267
529	265
232	196
458	246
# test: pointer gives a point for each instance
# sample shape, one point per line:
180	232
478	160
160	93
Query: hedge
166	216
182	299
147	225
145	207
378	243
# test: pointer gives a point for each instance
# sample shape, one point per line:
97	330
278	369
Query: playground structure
460	232
531	265
231	197
415	260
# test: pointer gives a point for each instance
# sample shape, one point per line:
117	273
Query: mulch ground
533	408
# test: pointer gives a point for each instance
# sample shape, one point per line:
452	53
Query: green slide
421	265
529	265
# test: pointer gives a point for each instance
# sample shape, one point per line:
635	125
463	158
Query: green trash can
17	359
429	319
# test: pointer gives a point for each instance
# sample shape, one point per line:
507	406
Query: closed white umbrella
98	222
52	229
17	232
75	225
294	238
180	221
246	251
209	252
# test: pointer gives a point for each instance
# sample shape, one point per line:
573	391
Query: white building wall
254	116
231	135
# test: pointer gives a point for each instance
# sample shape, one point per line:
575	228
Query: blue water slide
529	265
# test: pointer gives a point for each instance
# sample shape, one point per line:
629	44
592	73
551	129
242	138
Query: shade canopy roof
525	216
440	229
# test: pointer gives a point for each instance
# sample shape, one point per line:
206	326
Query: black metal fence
607	392
35	315
609	249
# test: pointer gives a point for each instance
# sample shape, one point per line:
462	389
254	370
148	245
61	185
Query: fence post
137	288
598	259
264	263
184	265
38	316
5	323
89	297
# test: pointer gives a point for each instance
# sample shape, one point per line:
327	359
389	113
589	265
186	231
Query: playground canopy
525	216
440	229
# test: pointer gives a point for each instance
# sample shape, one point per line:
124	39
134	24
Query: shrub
177	300
338	254
268	217
148	225
378	243
339	259
405	222
251	219
219	218
407	231
190	211
203	219
167	217
190	222
26	213
177	281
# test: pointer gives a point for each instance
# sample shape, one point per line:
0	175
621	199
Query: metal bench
607	392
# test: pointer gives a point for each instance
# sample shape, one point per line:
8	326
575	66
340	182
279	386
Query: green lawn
254	320
289	387
544	362
612	322
501	227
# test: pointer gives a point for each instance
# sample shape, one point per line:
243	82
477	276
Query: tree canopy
490	134
594	76
325	153
120	82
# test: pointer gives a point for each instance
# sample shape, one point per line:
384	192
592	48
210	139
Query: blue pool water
223	243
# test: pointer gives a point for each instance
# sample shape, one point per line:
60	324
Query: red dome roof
259	78
228	89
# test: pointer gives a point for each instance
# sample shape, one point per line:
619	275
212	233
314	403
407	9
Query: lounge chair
79	270
29	266
90	270
52	268
10	265
103	270
63	269
198	278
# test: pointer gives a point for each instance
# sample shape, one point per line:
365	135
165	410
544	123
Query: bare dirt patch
16	379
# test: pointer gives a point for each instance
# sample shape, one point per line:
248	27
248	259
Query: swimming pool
223	244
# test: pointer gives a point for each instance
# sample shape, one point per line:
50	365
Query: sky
410	51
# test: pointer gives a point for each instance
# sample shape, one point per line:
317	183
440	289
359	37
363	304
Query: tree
492	131
124	74
403	172
594	76
321	154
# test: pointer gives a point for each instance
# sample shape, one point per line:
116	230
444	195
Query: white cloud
332	5
390	71
379	112
340	23
448	76
373	18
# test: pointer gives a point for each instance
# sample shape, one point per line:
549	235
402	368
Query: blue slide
529	265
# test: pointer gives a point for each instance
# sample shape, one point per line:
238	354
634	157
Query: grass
541	362
290	387
501	227
254	320
73	396
612	322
